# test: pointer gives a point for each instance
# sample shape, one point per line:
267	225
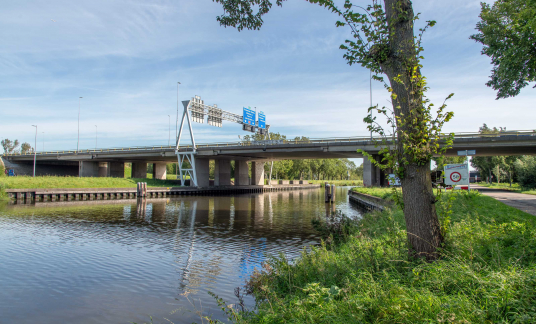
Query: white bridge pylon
195	110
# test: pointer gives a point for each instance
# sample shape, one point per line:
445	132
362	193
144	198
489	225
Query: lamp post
78	141
370	82
169	130
177	121
35	149
177	128
95	136
43	141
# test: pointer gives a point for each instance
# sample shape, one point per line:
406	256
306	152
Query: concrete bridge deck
110	162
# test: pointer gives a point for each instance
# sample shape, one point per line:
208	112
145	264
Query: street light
169	130
95	136
78	141
35	148
371	123
43	141
177	121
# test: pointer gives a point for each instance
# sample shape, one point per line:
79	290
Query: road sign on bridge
249	116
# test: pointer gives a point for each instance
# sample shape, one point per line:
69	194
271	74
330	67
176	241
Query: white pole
176	128
169	130
370	82
78	141
43	141
35	149
95	136
468	172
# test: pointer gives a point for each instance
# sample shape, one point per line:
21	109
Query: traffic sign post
468	152
456	174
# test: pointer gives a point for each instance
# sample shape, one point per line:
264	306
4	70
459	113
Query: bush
526	171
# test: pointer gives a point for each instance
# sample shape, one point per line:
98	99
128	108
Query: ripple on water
105	263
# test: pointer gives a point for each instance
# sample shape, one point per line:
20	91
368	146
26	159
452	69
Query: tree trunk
423	228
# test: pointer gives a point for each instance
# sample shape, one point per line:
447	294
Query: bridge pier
241	173
139	170
160	171
88	169
373	176
222	173
202	172
257	173
115	170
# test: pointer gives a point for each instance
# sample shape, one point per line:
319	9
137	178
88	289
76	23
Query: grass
487	273
25	182
384	193
338	182
506	186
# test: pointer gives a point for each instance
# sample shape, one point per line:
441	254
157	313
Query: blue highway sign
262	120
249	116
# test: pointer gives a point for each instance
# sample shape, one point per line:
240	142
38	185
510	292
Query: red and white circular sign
455	177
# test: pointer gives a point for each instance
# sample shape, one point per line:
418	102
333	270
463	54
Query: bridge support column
116	170
103	169
373	176
88	169
222	173
202	172
159	171
139	170
257	173
241	173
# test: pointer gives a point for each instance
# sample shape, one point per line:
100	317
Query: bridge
110	162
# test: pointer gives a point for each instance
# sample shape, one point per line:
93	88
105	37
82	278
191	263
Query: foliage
500	166
26	148
27	182
9	146
526	171
315	169
507	31
486	274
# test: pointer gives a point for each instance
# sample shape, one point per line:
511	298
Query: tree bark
423	227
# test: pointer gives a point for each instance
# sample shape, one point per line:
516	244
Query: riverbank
52	182
486	274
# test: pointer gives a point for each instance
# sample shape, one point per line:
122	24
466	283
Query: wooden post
327	193
333	193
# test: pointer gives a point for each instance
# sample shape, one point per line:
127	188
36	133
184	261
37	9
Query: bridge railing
260	143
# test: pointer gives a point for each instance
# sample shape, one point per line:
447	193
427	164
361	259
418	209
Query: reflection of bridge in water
194	228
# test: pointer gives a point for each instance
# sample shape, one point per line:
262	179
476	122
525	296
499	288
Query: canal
126	261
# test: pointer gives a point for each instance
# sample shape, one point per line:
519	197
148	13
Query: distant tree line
11	147
513	168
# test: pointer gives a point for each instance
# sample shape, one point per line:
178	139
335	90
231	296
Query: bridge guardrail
265	143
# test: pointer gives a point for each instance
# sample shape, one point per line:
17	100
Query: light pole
177	121
95	136
169	130
177	128
35	148
78	141
371	123
43	141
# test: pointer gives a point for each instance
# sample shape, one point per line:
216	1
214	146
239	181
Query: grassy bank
339	182
23	182
506	186
487	273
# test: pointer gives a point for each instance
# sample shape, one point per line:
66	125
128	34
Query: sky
125	57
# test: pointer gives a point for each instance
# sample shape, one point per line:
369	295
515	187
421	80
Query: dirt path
524	202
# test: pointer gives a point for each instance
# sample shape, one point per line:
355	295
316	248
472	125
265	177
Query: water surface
123	261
